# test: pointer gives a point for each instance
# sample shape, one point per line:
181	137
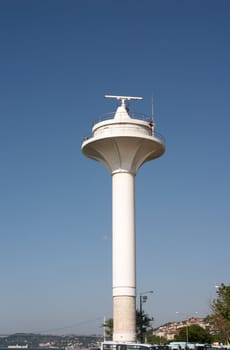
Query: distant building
170	330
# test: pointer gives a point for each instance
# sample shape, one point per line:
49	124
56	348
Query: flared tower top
123	143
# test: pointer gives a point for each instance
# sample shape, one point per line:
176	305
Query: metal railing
134	115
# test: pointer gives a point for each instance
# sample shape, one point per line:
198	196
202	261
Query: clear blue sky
58	59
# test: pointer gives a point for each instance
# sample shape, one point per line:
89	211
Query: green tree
108	327
219	320
194	334
143	325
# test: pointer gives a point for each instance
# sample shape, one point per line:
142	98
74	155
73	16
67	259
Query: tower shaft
124	259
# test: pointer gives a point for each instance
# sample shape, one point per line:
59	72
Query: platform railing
133	115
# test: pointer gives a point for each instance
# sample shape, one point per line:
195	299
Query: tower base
124	316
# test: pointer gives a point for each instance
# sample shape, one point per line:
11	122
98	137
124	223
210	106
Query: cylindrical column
124	261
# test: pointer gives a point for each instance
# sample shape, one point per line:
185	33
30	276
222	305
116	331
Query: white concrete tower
123	144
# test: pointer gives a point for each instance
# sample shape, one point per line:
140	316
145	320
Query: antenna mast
153	111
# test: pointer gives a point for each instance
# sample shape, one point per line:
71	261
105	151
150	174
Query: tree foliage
194	334
108	327
143	324
220	318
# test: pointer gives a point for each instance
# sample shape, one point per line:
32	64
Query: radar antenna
124	98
